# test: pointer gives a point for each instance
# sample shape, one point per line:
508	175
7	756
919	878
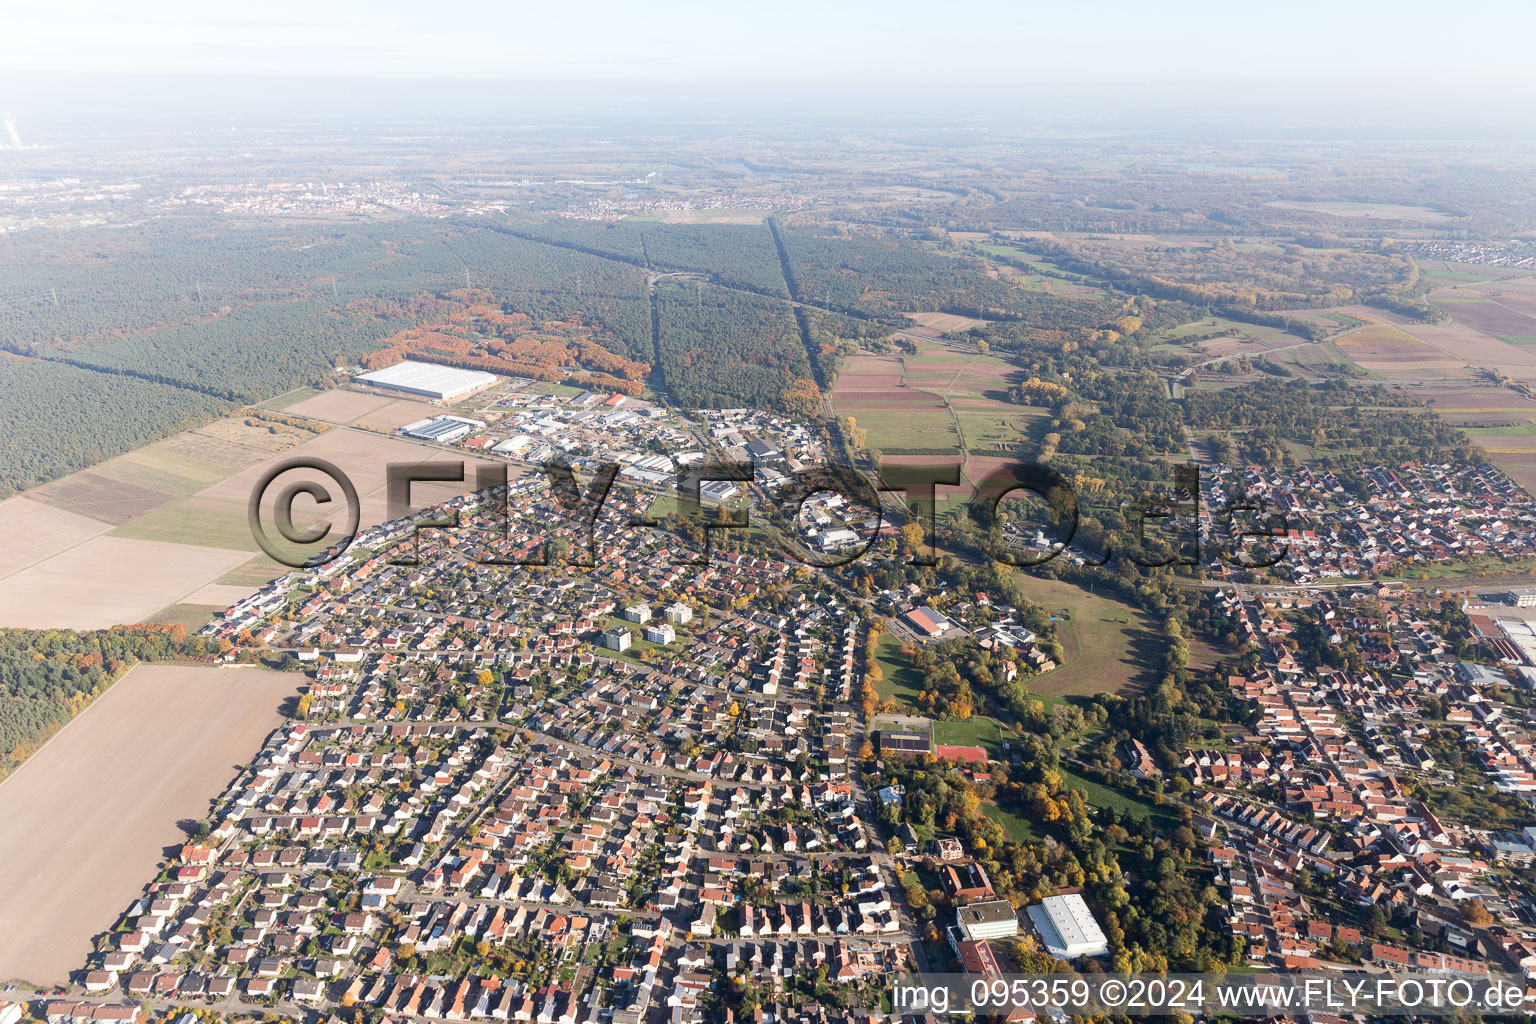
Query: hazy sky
1300	51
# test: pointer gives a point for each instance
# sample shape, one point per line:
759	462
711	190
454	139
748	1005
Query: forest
56	418
741	255
1267	278
726	349
1340	424
872	274
482	336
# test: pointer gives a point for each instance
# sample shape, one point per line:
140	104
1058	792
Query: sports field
89	817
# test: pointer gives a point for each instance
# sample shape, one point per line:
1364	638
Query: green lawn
1100	795
1016	828
902	681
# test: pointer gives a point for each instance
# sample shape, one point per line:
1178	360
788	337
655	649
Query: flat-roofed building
1067	927
441	429
898	741
990	919
428	380
928	622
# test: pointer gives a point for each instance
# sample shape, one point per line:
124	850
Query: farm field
339	405
128	539
1393	353
943	323
1106	644
1464	343
1503	309
1367	211
1476	403
39	531
364	457
939	400
107	581
374	411
89	817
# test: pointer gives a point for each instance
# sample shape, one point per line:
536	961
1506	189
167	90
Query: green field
1504	430
291	398
902	681
165	471
210	522
1100	795
1007	428
193	616
1106	644
928	428
254	573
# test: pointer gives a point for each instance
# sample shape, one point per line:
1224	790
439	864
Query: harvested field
1502	309
1466	345
38	531
1396	355
108	580
399	412
94	494
90	816
220	595
1476	404
340	406
945	322
362	456
1518	466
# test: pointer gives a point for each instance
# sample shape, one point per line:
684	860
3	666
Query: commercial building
928	622
428	380
441	429
718	490
514	445
1525	598
1067	928
991	919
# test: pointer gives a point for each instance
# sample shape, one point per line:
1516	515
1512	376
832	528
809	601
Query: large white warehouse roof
444	383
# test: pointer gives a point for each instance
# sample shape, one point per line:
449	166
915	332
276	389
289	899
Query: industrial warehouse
427	380
442	429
